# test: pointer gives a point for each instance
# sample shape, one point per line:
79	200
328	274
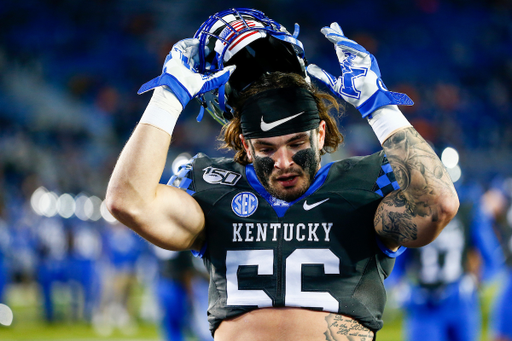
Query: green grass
39	331
28	323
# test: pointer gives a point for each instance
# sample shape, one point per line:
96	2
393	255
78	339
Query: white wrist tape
163	110
385	120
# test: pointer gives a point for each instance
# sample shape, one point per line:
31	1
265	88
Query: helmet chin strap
296	31
222	97
199	117
222	103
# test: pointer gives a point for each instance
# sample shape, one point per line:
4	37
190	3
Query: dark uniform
443	262
319	252
502	314
442	302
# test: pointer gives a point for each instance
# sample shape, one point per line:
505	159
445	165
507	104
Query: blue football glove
360	83
182	78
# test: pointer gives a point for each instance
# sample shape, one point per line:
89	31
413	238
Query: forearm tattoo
342	328
422	178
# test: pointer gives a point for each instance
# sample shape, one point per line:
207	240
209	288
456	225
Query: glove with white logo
360	83
182	78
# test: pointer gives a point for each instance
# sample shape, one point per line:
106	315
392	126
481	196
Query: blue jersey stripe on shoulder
387	168
185	182
386	182
182	179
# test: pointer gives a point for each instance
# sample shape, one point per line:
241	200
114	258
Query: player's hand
181	77
360	83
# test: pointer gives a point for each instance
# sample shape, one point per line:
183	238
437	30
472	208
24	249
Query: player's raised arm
416	213
164	215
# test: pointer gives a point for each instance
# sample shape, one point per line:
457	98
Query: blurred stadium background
69	72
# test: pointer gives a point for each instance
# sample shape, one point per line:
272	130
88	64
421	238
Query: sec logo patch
244	204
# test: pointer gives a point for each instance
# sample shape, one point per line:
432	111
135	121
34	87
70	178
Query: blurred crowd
70	70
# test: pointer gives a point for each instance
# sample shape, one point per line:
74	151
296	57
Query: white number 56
295	297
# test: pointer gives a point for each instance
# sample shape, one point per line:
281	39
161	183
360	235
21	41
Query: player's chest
244	218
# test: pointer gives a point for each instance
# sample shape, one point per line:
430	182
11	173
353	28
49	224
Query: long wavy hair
230	133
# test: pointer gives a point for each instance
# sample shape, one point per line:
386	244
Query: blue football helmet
254	43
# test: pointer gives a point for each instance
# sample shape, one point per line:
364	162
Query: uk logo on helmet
244	204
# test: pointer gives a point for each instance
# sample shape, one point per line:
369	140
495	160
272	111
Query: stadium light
35	199
106	214
455	173
179	161
66	206
48	204
81	211
96	208
6	315
450	157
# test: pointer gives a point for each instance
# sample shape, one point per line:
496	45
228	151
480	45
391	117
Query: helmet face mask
254	43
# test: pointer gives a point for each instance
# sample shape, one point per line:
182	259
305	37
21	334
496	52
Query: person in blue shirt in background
5	249
122	250
52	247
498	203
179	296
84	256
438	284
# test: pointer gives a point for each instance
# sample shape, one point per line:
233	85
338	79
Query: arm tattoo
422	178
396	225
342	328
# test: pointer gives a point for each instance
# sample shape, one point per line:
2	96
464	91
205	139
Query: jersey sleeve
183	179
385	184
388	252
386	181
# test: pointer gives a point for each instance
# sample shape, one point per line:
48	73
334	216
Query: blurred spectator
174	292
440	289
52	256
122	249
199	298
5	249
85	253
498	202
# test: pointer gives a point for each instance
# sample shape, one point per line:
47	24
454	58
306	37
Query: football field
28	324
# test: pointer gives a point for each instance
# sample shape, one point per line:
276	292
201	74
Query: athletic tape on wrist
163	110
385	120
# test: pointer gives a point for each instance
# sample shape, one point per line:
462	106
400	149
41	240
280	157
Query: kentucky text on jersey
261	232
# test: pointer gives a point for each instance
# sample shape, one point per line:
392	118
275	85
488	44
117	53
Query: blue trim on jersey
200	253
387	168
181	176
386	182
280	206
388	252
185	182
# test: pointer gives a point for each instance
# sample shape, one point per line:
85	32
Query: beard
307	161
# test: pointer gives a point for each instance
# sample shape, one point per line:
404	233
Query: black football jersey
318	252
443	262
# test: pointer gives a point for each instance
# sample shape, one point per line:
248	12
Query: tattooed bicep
394	219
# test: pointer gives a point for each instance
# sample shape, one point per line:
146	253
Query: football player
498	203
440	295
295	251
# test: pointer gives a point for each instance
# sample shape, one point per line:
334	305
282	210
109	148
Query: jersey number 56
294	296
